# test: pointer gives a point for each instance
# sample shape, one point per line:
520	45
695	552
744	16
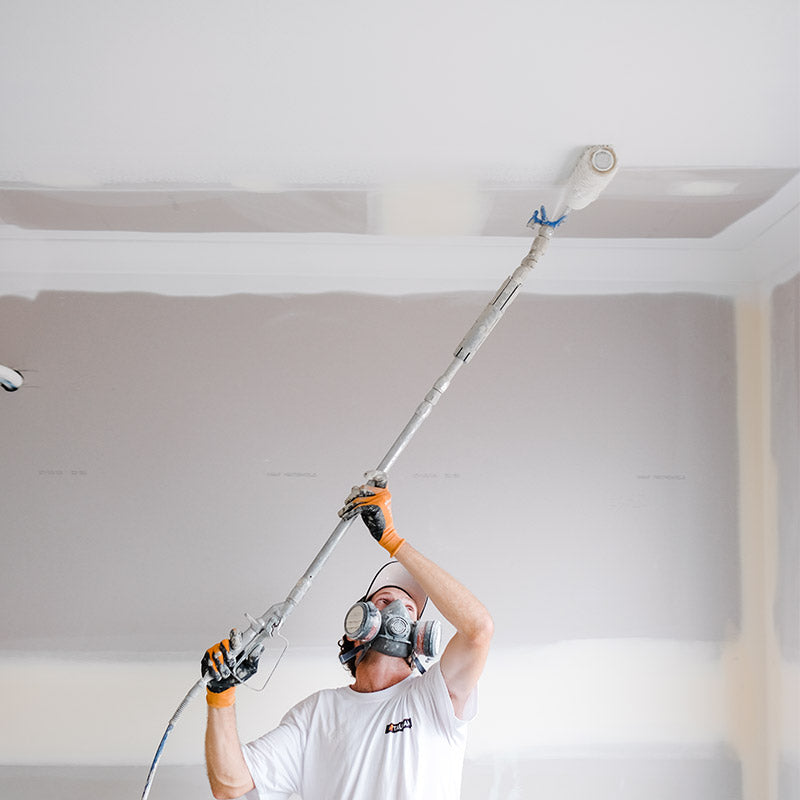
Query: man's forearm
457	604
464	657
228	774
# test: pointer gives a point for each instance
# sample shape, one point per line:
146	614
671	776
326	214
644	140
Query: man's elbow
482	630
227	792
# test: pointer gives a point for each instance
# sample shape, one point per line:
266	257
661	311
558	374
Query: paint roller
592	173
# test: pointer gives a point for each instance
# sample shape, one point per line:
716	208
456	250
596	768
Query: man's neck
377	671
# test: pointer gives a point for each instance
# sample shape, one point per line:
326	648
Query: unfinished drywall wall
581	476
599	433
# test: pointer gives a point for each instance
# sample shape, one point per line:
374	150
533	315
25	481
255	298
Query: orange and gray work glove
220	667
374	504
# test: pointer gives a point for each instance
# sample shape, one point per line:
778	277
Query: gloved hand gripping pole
591	175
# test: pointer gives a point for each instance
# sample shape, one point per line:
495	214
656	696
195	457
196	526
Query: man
389	735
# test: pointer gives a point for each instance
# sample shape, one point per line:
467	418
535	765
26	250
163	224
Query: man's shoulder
327	695
313	702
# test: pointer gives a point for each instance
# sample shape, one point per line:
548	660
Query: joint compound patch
396	727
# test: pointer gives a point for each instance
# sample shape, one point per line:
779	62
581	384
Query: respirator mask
391	631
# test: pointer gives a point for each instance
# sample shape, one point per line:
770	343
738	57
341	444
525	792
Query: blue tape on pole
540	218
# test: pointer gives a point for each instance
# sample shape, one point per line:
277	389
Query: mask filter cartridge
428	638
363	621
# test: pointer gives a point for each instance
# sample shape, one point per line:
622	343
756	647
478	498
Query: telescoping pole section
272	619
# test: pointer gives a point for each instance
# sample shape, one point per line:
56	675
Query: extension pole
469	345
270	622
593	172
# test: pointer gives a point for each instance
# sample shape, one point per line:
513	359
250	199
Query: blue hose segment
163	742
542	220
198	686
156	759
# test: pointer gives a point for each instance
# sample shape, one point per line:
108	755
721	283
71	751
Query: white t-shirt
401	743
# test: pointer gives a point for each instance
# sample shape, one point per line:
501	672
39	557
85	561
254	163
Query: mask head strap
351	654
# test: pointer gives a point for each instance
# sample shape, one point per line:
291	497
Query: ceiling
358	118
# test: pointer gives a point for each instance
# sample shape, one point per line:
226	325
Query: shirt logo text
396	727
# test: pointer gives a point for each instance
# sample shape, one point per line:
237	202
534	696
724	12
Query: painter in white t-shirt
403	743
391	734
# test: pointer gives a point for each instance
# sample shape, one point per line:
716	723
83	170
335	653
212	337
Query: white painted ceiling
445	119
162	445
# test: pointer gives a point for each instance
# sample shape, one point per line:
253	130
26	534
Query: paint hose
592	173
